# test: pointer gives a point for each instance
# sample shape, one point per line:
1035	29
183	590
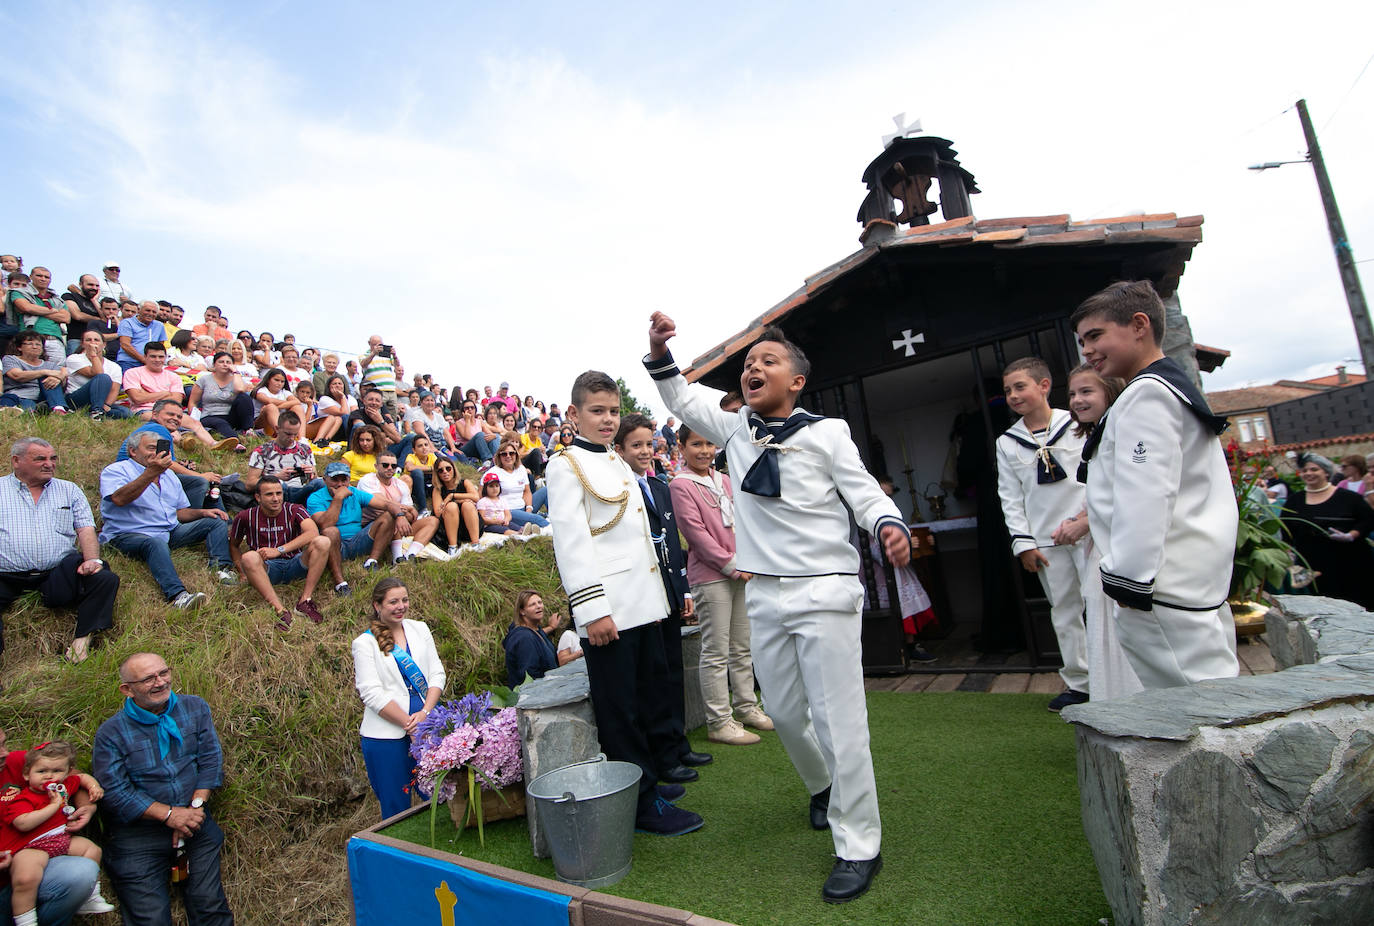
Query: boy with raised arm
610	569
798	472
1160	503
1037	458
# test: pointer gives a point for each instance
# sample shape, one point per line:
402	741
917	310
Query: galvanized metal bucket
587	811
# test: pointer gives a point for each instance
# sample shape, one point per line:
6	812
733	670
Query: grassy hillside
284	704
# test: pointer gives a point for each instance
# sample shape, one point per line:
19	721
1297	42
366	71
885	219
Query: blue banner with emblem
392	886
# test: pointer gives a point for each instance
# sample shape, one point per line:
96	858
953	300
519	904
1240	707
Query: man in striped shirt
382	369
48	542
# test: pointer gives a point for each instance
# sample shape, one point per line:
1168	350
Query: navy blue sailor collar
580	441
763	478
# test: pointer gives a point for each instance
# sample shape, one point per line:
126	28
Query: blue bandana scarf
167	729
762	478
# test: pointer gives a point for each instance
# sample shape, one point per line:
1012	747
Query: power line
1348	91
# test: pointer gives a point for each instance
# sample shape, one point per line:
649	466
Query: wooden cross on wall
908	342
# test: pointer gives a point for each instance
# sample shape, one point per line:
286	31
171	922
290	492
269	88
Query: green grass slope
284	704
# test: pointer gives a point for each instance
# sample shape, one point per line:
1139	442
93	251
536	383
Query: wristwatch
198	803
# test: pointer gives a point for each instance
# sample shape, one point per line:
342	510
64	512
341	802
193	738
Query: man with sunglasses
159	761
110	286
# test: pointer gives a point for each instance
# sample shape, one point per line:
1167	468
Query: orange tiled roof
1254	398
1013	233
1334	380
1324	442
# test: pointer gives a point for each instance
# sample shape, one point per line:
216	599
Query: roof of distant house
1255	398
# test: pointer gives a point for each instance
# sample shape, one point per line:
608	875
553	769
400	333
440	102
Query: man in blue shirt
159	759
337	511
166	422
135	333
146	515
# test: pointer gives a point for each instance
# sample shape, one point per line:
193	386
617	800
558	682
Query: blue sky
505	192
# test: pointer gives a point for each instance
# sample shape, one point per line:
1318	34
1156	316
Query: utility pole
1345	259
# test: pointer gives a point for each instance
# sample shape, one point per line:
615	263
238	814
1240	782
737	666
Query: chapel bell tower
899	182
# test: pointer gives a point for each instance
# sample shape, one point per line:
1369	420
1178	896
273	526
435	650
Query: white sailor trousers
807	658
1063	581
1169	647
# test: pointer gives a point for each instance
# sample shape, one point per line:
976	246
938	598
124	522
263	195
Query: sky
507	191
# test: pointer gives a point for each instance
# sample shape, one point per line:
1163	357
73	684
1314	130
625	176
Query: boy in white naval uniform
1160	503
1036	459
609	567
797	472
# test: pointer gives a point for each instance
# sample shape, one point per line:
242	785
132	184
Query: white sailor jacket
805	530
1033	509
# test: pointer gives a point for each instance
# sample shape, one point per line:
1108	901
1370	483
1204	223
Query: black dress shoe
693	759
850	879
820	810
679	774
671	793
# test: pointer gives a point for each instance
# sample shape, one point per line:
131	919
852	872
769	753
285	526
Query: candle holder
936	501
915	499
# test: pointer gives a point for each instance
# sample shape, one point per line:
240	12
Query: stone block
557	728
1303	629
1205	808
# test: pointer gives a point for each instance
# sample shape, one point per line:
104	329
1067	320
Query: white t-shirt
569	642
295	376
513	486
349	406
435	425
79	362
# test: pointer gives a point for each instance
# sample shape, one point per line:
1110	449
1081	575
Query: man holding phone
382	369
146	515
288	458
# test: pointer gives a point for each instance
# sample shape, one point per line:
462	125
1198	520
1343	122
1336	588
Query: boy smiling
1160	503
800	477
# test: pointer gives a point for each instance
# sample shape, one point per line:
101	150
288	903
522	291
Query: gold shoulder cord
623	499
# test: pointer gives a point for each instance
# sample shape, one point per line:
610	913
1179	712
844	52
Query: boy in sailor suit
610	570
1035	459
1160	503
798	473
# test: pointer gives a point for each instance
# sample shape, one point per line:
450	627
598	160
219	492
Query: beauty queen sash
410	672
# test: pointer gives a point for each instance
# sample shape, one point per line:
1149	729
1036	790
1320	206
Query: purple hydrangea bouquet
476	733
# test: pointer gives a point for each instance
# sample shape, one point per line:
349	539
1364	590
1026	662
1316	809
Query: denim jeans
54	397
297	495
519	517
196	488
401	449
539	498
138	857
67	882
93	395
481	447
157	553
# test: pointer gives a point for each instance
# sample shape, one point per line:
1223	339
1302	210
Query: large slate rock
1109	823
557	728
1303	629
1212	827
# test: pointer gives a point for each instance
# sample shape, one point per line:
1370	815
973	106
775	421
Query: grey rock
1205	808
555	734
1109	821
1301	607
556	688
1342	634
1347	797
1311	905
1307	856
1289	642
1178	713
1290	760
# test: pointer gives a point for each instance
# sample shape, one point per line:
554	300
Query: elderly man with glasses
159	761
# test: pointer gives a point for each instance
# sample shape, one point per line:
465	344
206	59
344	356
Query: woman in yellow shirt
361	455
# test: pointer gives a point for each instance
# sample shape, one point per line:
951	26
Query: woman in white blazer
397	672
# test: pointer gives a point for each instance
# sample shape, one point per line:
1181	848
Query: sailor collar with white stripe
1047	468
763	479
1166	371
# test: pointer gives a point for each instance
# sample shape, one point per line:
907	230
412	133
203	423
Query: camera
385	350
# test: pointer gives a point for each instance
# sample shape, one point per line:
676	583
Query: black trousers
629	687
671	628
62	587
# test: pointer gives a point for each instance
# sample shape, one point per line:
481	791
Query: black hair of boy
590	382
283	419
1034	367
1119	302
683	433
57	749
266	481
629	424
800	365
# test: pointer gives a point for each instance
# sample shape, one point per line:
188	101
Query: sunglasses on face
386	465
506	453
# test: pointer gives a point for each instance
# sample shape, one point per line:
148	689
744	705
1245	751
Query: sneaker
663	819
229	443
1067	698
60	411
227	577
426	513
530	529
452	550
97	414
342	590
283	620
188	601
307	607
731	733
369	564
95	903
918	653
757	719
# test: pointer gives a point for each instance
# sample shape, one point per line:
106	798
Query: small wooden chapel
907	338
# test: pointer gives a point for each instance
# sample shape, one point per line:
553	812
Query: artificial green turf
980	813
